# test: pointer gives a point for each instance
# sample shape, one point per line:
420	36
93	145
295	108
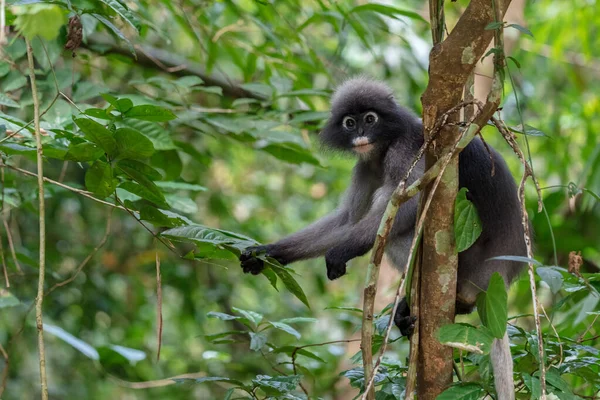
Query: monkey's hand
336	264
251	263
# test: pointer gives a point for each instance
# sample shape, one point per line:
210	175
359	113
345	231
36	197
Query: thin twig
536	302
42	213
580	339
159	317
5	370
560	346
89	256
11	244
6	281
84	193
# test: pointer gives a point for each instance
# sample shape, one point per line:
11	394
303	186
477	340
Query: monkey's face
362	132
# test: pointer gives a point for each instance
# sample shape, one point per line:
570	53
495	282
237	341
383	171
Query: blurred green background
244	151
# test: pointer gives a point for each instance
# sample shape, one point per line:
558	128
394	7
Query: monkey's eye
349	122
370	117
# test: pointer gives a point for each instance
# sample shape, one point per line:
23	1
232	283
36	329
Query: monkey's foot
405	324
403	320
335	270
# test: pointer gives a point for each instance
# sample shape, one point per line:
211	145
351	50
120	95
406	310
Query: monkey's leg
403	320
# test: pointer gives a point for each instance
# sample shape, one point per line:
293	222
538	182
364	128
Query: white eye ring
371	114
349	122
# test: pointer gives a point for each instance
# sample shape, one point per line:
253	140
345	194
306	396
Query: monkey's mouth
362	145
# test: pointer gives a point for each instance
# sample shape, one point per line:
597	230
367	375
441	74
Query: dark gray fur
350	231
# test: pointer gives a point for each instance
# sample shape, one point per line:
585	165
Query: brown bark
451	62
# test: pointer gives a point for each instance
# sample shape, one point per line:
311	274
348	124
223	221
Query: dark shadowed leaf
463	391
492	306
99	179
98	134
84	152
131	144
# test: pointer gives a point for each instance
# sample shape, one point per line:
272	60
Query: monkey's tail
503	368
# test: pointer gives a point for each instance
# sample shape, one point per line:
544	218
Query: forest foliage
177	133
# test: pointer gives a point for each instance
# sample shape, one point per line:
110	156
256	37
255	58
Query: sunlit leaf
44	20
467	225
148	112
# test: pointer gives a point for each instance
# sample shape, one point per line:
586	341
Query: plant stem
42	212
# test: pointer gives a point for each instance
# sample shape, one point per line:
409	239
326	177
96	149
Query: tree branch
151	57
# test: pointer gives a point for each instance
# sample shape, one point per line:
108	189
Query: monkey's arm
324	234
359	238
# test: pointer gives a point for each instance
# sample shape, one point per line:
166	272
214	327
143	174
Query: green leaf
492	26
251	316
148	112
124	12
257	340
492	306
135	168
295	320
98	113
160	137
463	391
222	316
467	225
154	196
162	218
290	283
76	343
286	328
131	144
210	379
289	350
98	134
99	179
170	185
7	299
514	60
518	259
552	277
466	337
169	162
277	385
86	151
7	101
520	28
529	130
44	20
218	240
388	11
116	31
132	355
289	152
15	80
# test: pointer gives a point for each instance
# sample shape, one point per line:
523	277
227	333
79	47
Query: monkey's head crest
364	119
